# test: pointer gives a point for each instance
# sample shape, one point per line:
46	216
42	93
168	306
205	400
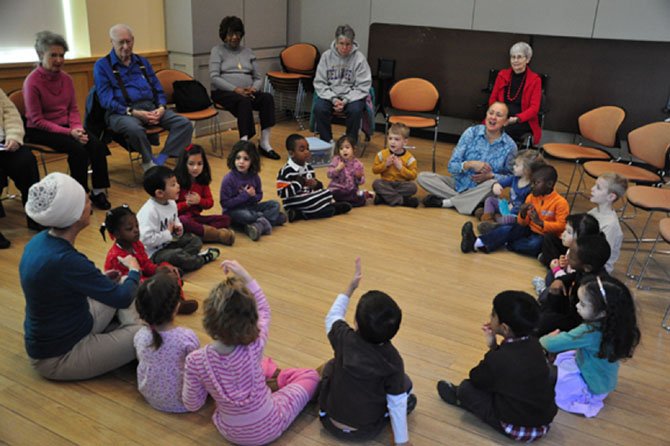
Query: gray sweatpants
445	187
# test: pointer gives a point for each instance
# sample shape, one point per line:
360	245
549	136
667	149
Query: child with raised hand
609	187
365	385
242	191
576	225
161	346
123	228
511	389
194	176
519	188
558	303
301	192
232	369
346	173
589	364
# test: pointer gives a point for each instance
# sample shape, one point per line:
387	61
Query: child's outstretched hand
489	336
233	266
358	275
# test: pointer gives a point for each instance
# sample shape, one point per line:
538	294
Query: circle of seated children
594	312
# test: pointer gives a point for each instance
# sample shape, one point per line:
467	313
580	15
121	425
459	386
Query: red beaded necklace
511	98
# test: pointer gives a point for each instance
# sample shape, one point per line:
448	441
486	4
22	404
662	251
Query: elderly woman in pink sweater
52	118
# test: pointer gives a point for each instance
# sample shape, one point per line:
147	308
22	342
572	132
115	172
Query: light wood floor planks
413	254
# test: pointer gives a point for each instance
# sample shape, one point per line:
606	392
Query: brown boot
487	216
223	236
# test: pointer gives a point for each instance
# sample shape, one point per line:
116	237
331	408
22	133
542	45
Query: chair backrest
601	124
300	58
414	94
651	143
16	97
166	77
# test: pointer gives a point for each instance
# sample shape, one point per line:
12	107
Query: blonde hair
529	158
616	184
399	129
231	315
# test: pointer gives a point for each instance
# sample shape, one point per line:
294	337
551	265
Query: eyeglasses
602	289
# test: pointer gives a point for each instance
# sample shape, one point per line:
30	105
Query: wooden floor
413	254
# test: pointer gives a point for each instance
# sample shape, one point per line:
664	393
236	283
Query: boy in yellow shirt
398	171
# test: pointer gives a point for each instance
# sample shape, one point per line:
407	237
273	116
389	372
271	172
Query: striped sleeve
193	393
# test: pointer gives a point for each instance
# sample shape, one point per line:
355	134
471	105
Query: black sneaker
411	403
378	200
210	254
432	201
4	243
341	207
100	201
410	202
448	392
292	215
468	237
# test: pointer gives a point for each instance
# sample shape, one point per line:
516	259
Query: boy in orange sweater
544	212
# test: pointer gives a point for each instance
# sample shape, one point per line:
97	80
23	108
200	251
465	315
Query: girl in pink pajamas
233	371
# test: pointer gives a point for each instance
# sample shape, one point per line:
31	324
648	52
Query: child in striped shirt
302	194
232	368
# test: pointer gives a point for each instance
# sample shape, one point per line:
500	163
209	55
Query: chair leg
664	322
637	247
386	130
434	146
646	263
579	183
44	164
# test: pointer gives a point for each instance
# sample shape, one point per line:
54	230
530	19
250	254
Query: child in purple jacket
346	174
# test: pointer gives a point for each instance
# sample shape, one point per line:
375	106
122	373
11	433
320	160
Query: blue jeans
323	111
249	214
516	237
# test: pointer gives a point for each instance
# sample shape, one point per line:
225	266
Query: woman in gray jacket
237	84
342	83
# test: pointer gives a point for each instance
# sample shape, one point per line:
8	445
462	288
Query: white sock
478	243
147	166
446	203
265	139
244	138
97	191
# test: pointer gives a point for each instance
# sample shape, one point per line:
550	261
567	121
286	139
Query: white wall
315	20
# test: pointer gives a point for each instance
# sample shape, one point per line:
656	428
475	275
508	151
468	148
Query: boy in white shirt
609	188
161	232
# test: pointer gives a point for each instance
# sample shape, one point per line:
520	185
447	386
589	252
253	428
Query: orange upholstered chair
651	145
598	126
411	99
299	62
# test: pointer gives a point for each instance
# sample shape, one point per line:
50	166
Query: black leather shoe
269	153
100	201
468	238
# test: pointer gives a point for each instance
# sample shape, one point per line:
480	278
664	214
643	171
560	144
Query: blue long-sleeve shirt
139	89
56	281
473	145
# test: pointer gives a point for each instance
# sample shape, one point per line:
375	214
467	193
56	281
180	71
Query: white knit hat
57	201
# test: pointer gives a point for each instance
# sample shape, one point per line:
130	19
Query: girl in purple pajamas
346	174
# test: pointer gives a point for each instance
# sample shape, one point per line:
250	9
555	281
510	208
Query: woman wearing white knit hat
69	302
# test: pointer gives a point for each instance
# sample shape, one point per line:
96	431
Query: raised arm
339	308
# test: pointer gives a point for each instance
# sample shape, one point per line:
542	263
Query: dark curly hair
156	300
181	170
231	315
252	151
230	24
620	333
113	219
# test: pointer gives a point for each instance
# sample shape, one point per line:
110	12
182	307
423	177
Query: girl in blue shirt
589	364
